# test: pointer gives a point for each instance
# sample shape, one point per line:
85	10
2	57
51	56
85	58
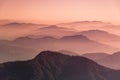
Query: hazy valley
21	42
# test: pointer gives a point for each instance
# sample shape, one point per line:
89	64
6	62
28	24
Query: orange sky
54	11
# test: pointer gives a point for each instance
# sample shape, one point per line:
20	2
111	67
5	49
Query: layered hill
105	59
111	61
75	43
102	37
96	56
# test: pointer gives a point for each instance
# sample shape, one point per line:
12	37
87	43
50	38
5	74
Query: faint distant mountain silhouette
75	38
100	32
85	25
75	43
102	37
22	24
85	22
54	31
27	38
55	66
2	22
13	30
54	27
108	60
70	53
111	61
112	28
17	24
95	56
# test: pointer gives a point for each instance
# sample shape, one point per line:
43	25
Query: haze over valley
17	45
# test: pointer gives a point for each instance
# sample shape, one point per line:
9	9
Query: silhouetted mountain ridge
50	65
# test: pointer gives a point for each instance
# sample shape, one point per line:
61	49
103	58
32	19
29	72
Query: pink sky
55	11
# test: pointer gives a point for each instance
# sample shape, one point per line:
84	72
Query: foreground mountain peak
50	65
48	54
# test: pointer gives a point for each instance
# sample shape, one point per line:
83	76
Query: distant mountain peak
116	53
17	24
22	38
52	27
101	36
76	37
48	37
32	38
87	22
94	31
95	56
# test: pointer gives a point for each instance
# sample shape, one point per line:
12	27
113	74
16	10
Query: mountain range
110	60
54	31
8	30
102	37
75	43
22	40
55	66
85	25
63	29
92	25
95	56
90	41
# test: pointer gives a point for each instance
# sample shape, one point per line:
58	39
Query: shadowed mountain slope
56	66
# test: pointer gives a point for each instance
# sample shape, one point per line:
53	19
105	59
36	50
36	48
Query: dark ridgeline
56	66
